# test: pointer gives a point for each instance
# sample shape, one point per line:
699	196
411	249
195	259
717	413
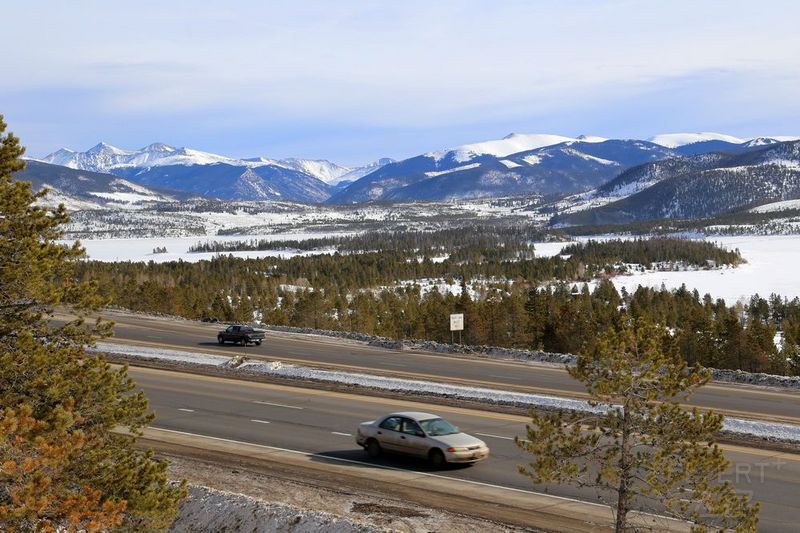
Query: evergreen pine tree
62	462
651	452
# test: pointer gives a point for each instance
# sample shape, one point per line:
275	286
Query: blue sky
352	81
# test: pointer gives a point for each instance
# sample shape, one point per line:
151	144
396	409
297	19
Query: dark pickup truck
243	335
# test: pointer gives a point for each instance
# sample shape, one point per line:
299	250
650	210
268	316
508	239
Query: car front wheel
373	448
436	459
258	343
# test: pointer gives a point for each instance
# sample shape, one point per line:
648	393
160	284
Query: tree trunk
623	495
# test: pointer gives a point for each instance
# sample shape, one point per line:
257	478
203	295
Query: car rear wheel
436	458
373	448
220	339
258	343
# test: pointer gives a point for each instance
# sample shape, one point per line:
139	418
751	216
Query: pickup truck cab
239	334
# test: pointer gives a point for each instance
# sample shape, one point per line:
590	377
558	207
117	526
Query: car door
388	433
412	439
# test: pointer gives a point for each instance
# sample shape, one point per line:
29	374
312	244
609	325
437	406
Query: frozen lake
772	267
141	249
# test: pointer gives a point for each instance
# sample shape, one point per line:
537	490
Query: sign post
456	324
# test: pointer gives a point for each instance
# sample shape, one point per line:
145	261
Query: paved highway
323	422
734	400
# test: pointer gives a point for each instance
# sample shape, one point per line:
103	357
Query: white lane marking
342	434
277	404
259	421
494	436
504	377
185	410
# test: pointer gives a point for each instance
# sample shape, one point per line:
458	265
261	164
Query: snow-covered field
141	249
772	263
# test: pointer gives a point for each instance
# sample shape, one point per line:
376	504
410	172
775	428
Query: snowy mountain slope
81	189
641	177
697	187
700	143
104	157
321	169
382	183
158	165
518	164
233	182
510	144
674	140
567	167
634	180
332	173
359	172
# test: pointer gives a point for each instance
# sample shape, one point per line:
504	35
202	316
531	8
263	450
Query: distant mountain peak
158	147
761	141
674	140
104	147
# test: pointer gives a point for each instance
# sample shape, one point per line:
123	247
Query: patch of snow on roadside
216	510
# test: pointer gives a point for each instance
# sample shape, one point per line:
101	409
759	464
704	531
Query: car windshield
438	426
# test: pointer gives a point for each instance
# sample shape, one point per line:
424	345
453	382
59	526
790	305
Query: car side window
392	423
235	329
412	428
230	329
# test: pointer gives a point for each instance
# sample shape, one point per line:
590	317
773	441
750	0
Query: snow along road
350	356
755	428
318	422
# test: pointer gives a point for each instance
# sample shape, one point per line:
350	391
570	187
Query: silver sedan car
421	435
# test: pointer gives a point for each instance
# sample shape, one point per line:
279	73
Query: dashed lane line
261	402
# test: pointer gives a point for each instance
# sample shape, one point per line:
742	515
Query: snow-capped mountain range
527	164
518	164
104	157
82	190
691	187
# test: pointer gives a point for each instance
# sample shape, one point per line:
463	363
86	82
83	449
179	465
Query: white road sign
457	322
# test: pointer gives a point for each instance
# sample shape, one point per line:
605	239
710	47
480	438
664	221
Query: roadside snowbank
766	430
209	509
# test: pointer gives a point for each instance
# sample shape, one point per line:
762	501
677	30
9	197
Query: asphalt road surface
734	400
324	422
